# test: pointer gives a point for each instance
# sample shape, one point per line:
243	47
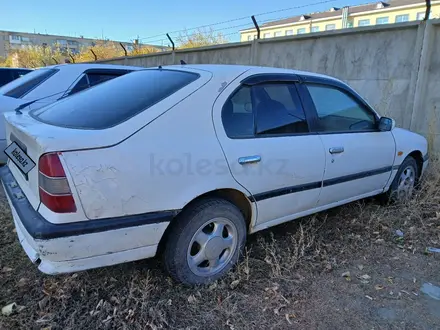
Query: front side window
364	22
262	110
402	18
382	20
289	32
249	38
340	112
330	27
277	34
301	31
20	87
315	28
115	101
266	35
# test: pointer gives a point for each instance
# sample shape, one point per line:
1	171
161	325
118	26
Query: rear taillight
53	185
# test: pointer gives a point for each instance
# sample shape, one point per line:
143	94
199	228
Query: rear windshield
20	87
114	101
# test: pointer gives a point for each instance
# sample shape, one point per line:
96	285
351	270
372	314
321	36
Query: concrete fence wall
395	67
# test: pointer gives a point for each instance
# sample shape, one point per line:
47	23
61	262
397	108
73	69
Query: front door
359	157
264	132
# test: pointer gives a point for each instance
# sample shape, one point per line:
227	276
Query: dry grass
290	276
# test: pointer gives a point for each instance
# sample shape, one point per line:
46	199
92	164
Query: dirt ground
342	269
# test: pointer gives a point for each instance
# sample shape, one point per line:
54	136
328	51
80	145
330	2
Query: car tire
404	183
205	241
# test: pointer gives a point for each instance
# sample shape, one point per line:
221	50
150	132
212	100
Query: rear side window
92	79
97	78
82	84
20	87
279	110
20	73
5	77
116	101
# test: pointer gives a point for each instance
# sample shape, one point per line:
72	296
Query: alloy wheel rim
406	183
212	246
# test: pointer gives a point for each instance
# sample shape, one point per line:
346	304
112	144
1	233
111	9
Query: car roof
237	69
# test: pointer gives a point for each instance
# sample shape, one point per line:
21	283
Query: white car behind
189	160
48	84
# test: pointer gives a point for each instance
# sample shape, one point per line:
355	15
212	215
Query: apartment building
10	40
393	11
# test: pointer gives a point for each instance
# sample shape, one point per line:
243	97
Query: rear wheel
403	185
205	241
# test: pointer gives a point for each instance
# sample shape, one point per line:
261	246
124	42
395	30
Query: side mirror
386	124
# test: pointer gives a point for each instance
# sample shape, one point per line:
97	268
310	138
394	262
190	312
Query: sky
149	20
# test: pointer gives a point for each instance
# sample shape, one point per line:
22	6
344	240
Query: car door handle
336	150
249	160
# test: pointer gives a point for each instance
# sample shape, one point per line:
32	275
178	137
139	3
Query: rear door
264	132
359	157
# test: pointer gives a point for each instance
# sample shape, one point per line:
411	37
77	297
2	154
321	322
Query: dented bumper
71	247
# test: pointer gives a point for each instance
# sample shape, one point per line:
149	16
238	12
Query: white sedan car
188	160
48	84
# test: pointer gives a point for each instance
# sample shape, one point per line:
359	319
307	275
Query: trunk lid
36	138
8	103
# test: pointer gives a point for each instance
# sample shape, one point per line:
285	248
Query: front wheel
206	240
402	188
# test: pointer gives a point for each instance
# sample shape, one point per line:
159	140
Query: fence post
254	60
426	34
125	51
94	55
171	40
173	53
256	26
428	10
255	44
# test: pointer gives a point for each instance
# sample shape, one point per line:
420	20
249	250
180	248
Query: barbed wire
238	19
296	7
198	27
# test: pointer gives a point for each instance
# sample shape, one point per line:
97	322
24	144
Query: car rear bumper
64	248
